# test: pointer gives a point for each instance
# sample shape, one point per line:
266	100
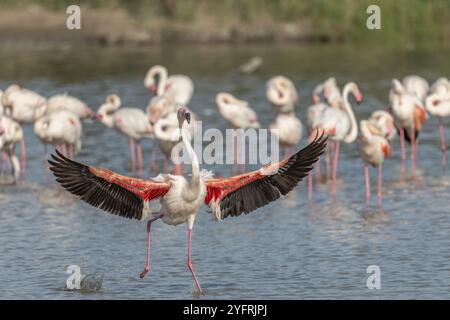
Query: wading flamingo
282	94
409	117
131	122
340	124
180	198
384	122
238	115
11	133
374	150
289	130
178	87
438	105
21	105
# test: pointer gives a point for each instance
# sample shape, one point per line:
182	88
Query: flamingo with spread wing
180	198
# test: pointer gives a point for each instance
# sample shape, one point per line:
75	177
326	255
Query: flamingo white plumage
416	86
180	198
68	103
178	87
131	122
11	133
289	130
282	94
236	112
374	150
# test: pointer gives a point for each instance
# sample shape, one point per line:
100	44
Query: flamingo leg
64	147
153	165
443	146
413	151
310	188
139	156
23	154
380	185
391	149
330	152
71	151
335	166
191	268
318	171
133	158
366	173
47	165
147	263
402	144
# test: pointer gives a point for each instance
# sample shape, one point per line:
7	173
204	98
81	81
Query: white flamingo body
416	86
288	128
441	85
282	94
160	106
21	103
178	87
438	104
384	122
68	103
236	112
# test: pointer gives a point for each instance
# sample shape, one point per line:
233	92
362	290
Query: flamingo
131	122
69	103
289	130
330	91
340	124
61	128
181	199
179	87
438	105
374	150
441	85
416	86
159	106
282	94
21	105
237	113
10	134
384	122
409	117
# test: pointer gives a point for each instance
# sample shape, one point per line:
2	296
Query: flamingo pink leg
391	149
191	268
402	145
71	151
47	165
310	188
335	166
139	156
329	152
366	173
153	165
4	161
147	263
23	152
133	158
380	185
64	148
413	151
443	146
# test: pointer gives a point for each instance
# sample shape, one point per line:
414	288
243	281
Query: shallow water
286	250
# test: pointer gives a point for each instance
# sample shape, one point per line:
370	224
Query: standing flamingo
374	150
289	130
131	122
384	122
178	87
181	199
238	114
11	133
21	105
409	117
438	105
340	124
282	94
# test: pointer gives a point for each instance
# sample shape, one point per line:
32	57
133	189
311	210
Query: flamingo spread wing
247	192
105	189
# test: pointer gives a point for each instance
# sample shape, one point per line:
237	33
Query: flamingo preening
21	105
131	122
282	94
409	117
374	150
384	122
180	198
340	124
178	87
438	105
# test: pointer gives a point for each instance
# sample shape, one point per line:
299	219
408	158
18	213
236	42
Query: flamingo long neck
195	180
353	133
162	81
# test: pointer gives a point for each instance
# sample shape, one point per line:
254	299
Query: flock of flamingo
330	120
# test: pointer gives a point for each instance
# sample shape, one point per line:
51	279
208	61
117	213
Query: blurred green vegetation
403	21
